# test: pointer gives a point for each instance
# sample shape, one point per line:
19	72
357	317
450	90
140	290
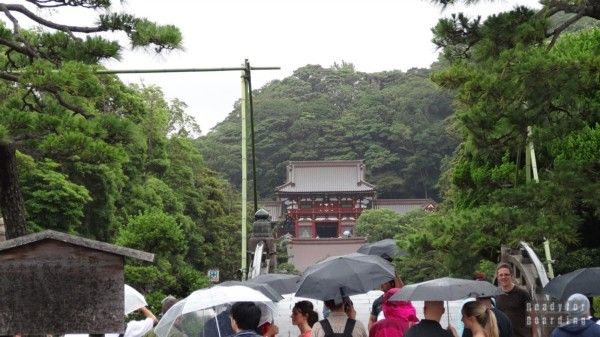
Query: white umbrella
133	300
200	305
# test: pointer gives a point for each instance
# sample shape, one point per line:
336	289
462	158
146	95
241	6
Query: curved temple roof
325	176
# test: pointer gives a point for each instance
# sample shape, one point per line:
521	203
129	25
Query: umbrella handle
342	294
217	323
448	312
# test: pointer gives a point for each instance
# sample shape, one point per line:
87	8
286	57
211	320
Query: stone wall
306	252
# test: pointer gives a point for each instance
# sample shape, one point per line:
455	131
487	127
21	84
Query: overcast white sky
374	35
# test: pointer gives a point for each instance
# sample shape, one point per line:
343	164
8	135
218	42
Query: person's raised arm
148	314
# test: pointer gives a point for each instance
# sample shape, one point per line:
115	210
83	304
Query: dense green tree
395	121
378	224
557	16
166	172
49	86
51	199
159	232
510	78
105	160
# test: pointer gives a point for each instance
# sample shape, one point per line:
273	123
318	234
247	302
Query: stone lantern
263	232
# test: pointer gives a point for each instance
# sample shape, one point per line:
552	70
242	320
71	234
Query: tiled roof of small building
325	176
78	241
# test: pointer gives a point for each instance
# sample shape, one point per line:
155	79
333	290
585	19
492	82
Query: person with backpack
341	322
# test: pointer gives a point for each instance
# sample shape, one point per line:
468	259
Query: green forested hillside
396	121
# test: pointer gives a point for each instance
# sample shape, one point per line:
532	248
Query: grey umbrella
445	289
584	281
282	283
265	289
385	248
345	275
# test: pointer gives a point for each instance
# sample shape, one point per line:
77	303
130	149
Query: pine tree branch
9	77
23	49
556	32
12	19
50	24
38	4
55	92
68	105
548	11
26	104
65	3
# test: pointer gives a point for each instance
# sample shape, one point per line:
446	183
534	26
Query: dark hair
504	265
167	303
246	315
479	276
331	305
305	308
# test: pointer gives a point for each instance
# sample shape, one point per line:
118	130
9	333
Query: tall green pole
252	140
244	172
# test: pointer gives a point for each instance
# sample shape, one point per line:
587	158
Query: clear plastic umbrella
193	312
266	289
133	300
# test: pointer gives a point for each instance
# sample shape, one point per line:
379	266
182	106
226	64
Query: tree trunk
11	199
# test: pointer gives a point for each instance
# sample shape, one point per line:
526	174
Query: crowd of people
504	315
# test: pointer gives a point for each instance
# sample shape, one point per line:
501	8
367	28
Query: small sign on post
213	275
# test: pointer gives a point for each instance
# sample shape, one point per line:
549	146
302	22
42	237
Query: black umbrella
584	281
445	289
385	248
282	283
345	275
265	289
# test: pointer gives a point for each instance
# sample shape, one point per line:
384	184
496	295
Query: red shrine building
323	199
319	204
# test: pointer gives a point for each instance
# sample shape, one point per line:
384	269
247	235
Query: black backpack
347	329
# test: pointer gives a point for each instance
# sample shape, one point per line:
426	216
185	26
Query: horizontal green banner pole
181	70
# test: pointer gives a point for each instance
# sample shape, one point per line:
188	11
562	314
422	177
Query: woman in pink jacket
399	316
